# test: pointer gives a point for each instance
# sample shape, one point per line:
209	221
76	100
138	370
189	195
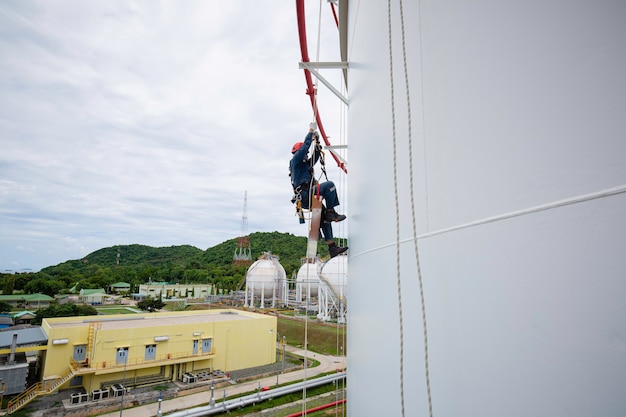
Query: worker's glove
313	126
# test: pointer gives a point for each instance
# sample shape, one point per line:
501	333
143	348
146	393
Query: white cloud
146	122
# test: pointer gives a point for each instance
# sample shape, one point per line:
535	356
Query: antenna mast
243	253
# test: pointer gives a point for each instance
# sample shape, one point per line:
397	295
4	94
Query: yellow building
96	352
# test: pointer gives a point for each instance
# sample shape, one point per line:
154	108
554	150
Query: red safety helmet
296	146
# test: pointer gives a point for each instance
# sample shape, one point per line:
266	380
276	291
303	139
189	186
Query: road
327	364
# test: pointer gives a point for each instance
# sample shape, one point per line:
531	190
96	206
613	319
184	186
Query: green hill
140	263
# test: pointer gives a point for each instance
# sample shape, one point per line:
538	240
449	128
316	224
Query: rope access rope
413	216
317	60
312	92
397	209
311	196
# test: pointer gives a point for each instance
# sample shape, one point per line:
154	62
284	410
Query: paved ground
327	364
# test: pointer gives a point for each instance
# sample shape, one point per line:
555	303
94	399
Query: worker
305	186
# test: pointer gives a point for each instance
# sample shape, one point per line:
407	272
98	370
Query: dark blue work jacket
300	166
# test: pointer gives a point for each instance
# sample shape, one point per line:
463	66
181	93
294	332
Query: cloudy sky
145	122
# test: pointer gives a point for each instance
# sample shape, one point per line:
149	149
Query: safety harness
312	184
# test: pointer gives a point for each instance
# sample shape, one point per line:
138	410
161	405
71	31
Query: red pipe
318	408
332	7
310	91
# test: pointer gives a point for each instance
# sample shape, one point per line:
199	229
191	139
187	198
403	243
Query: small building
138	296
65	298
183	291
27	301
23	317
5	321
92	296
119	288
14	364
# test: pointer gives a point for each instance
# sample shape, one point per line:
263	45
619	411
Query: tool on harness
318	149
297	197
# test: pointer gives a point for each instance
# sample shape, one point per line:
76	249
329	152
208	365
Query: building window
206	345
150	352
122	356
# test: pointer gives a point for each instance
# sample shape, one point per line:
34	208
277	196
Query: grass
327	339
114	310
288	399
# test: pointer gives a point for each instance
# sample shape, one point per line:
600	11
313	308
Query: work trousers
329	192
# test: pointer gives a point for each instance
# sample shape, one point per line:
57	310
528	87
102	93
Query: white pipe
255	398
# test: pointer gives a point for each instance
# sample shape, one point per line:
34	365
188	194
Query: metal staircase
40	388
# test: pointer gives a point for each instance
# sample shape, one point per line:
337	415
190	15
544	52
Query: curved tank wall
307	281
265	275
512	158
334	272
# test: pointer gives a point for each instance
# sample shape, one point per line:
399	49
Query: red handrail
318	408
310	91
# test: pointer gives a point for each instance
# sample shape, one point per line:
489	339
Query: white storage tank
334	273
500	276
265	280
307	282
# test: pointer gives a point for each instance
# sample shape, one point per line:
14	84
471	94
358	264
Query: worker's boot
332	216
335	250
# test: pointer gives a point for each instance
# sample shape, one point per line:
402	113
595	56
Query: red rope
310	91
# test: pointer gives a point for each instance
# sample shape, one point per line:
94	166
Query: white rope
413	216
397	209
531	210
317	60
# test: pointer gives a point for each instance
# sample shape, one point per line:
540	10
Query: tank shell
307	281
335	273
265	275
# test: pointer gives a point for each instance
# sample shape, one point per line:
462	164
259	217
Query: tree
87	310
5	307
63	310
9	285
43	286
150	304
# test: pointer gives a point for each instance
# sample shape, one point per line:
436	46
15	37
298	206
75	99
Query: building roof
167	284
25	313
26	297
92	291
120	284
125	321
29	336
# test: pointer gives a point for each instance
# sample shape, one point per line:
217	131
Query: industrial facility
319	286
105	355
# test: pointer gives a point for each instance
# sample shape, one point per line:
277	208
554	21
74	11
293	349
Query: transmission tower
243	253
